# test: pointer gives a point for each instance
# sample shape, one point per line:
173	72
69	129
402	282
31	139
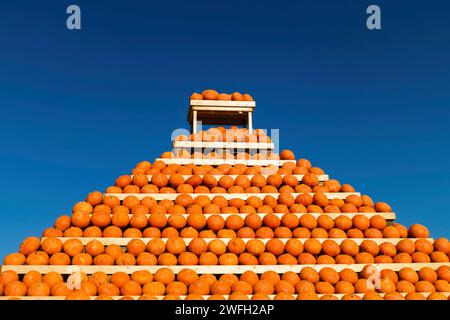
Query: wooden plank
193	115
322	177
214	112
217	269
387	215
28	298
223	145
221	103
124	241
228	196
205	297
216	162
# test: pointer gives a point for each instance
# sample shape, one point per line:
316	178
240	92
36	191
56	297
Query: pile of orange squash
237	215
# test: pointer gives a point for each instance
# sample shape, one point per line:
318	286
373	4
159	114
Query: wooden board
322	177
205	297
124	241
220	112
228	196
223	145
222	103
386	215
216	162
219	269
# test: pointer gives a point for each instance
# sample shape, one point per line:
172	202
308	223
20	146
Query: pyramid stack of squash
182	227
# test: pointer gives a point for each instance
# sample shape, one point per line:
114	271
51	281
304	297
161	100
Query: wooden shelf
322	177
205	297
228	196
124	241
222	103
386	215
217	269
216	162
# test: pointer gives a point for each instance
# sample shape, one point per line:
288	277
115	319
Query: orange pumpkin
14	259
38	289
73	247
30	245
15	288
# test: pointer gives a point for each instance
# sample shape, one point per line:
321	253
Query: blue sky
79	108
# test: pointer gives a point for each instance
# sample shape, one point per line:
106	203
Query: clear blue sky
79	108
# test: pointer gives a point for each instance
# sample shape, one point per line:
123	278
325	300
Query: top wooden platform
214	104
219	112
